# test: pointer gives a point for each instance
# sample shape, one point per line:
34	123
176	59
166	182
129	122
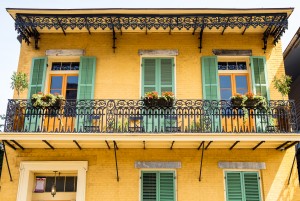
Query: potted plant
238	100
254	101
151	99
52	101
166	99
19	82
283	86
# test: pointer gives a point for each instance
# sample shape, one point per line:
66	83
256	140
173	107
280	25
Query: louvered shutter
259	76
149	187
242	186
210	81
251	185
37	76
166	186
149	80
234	186
166	75
211	91
86	80
37	84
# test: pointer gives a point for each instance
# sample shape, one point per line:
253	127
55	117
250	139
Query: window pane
60	183
241	84
49	183
75	66
241	66
55	91
72	82
225	94
225	82
232	66
56	82
56	66
71	94
70	184
66	66
222	65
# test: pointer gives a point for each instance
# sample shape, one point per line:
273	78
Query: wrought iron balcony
128	116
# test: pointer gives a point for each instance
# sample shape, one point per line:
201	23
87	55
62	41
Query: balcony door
65	84
231	84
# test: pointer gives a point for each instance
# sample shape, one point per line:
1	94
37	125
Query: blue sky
10	47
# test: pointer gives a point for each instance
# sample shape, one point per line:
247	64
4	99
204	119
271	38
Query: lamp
53	188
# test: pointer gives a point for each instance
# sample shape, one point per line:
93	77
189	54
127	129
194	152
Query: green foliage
2	118
19	82
283	84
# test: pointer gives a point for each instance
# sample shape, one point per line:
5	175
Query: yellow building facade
104	143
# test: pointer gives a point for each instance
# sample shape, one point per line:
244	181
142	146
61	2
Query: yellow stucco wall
101	174
118	74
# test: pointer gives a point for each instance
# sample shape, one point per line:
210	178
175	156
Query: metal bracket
200	39
3	142
115	149
114	40
265	38
36	37
201	161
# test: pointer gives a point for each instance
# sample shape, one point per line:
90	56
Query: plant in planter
19	82
238	100
254	101
283	86
151	99
166	99
41	100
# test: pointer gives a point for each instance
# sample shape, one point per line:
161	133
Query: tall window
157	75
158	186
242	186
234	78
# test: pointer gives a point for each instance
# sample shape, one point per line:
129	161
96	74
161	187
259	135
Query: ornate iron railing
126	116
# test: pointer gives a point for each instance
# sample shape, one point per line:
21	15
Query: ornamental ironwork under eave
27	25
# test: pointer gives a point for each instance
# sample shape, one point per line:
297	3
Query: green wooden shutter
251	185
210	80
149	80
259	76
37	76
86	80
166	186
36	84
242	186
234	186
166	75
149	187
158	186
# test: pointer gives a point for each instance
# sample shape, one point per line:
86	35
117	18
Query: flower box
48	101
152	99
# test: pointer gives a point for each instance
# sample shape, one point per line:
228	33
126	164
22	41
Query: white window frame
28	168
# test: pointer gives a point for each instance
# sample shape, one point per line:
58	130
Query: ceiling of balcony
141	141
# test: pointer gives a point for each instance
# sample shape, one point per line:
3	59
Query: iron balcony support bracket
115	149
201	160
114	40
3	142
200	39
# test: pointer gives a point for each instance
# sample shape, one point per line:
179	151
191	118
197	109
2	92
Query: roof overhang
31	22
138	140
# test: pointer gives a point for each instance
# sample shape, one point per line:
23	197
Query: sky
10	47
